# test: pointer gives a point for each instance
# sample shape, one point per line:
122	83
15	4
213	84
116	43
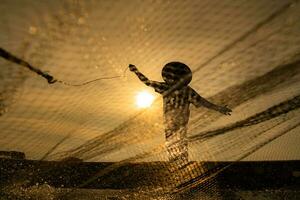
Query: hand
225	110
132	67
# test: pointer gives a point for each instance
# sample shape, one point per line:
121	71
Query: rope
94	80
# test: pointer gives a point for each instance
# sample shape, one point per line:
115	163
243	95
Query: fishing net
244	54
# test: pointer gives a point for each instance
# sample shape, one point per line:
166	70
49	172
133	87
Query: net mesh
244	54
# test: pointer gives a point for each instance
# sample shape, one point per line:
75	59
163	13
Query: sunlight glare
144	99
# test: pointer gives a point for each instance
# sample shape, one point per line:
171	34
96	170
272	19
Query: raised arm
159	87
198	101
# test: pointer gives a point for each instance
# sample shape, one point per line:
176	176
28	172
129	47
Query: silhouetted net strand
10	57
268	114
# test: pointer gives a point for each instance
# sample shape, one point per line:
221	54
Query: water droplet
32	30
81	21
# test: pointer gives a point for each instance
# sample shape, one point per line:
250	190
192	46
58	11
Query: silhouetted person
177	97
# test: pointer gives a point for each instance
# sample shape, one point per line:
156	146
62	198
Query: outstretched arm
141	76
198	101
156	85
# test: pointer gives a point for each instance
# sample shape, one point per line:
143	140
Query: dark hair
174	71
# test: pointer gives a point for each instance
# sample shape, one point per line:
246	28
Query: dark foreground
154	180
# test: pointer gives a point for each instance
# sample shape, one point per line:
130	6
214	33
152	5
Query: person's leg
176	144
177	149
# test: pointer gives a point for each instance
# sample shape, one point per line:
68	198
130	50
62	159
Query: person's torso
176	106
177	100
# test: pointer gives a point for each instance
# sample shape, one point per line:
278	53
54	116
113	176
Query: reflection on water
46	192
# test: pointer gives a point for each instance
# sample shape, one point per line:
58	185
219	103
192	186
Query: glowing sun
144	99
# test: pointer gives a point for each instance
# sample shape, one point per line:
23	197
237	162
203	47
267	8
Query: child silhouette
177	96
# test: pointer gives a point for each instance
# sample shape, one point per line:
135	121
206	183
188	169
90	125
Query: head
175	72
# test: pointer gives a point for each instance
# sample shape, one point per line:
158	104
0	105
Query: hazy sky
80	41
